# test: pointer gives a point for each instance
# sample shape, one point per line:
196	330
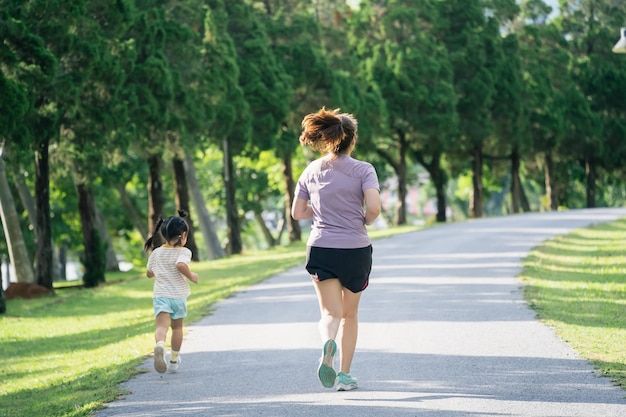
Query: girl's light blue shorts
177	307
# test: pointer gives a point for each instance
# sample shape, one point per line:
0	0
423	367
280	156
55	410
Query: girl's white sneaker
172	367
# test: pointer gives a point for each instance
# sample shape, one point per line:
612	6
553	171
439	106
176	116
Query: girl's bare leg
162	324
177	334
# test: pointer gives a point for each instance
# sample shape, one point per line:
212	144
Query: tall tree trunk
438	176
155	197
112	265
400	214
550	180
516	185
94	256
214	249
135	217
476	202
63	263
25	196
182	202
235	245
590	173
18	255
29	204
43	230
267	234
400	168
293	226
524	199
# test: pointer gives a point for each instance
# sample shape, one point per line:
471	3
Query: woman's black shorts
351	266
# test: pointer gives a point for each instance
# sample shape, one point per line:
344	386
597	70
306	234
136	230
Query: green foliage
473	79
510	126
13	106
265	84
223	93
259	181
296	42
107	84
28	69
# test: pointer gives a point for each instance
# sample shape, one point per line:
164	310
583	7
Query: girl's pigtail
148	246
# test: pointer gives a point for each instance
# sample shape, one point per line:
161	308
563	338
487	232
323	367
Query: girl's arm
183	268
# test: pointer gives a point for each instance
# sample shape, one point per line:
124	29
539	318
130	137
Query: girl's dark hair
328	131
167	230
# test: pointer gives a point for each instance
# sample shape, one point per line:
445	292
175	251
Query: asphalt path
444	332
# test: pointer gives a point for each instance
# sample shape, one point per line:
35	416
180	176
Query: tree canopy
115	114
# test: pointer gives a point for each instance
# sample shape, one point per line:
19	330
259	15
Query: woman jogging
344	197
168	264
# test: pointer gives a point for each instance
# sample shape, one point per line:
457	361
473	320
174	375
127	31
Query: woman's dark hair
328	131
167	230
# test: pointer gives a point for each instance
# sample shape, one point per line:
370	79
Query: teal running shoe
325	370
346	382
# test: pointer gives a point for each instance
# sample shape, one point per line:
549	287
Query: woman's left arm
372	205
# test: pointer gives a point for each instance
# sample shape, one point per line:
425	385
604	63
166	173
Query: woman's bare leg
349	329
329	297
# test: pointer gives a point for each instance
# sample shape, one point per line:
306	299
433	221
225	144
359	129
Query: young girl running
169	265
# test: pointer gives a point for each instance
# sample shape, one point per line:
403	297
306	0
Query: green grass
66	355
577	284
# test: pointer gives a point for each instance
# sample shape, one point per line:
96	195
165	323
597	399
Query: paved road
444	333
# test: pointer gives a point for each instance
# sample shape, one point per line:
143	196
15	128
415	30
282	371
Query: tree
597	111
214	249
265	85
34	44
260	188
148	91
231	109
469	35
12	108
295	40
93	112
508	115
414	77
191	110
546	61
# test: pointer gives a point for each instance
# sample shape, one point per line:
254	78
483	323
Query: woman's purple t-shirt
335	187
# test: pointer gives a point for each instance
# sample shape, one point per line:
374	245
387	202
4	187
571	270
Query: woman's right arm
372	205
300	209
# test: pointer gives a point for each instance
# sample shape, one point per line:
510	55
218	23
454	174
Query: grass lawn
66	355
577	284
